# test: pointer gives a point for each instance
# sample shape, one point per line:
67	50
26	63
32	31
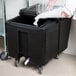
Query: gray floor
64	66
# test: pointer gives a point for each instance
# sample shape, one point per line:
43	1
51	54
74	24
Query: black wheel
4	55
56	58
40	70
16	62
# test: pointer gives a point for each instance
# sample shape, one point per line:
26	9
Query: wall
32	2
12	10
72	40
13	7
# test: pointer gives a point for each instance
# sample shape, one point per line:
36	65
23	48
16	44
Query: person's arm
50	4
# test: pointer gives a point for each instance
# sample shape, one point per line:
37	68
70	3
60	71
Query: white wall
32	2
13	7
72	40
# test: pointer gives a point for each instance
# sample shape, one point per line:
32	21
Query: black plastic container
40	44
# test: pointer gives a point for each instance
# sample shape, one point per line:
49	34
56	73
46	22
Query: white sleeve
67	11
71	5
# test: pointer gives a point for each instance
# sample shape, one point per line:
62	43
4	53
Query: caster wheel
56	58
26	61
4	55
16	63
40	70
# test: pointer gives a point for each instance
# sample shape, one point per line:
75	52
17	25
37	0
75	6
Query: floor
64	66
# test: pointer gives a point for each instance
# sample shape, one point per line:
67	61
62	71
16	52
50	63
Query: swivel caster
40	70
4	55
26	61
56	58
16	62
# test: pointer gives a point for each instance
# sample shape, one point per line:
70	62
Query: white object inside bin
55	13
60	12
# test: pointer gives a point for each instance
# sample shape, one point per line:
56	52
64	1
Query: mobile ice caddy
38	44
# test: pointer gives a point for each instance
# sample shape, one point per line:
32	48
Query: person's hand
63	13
